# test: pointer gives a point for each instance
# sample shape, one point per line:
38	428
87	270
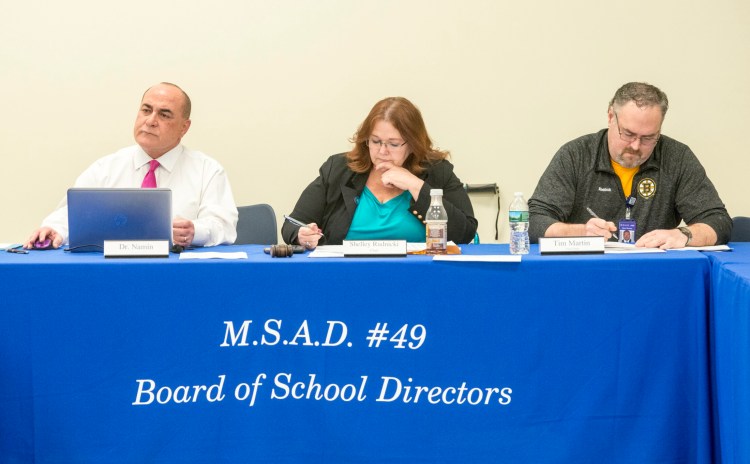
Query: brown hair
642	94
407	119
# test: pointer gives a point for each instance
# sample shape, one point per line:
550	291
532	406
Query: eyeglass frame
633	138
382	143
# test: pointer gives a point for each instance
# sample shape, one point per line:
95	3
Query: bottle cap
436	191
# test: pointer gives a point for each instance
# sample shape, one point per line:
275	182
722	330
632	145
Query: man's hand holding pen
599	227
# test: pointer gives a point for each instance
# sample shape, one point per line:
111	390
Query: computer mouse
45	244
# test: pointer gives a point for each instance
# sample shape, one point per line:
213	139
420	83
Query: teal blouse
391	220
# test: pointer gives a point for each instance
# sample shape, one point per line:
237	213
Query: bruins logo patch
646	188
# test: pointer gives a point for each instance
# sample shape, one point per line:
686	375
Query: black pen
291	220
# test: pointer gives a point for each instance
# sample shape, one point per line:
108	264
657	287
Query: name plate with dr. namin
570	245
136	248
374	248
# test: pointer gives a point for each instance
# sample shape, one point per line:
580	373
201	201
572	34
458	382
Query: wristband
686	231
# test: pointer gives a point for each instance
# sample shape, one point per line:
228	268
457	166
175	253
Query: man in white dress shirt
202	201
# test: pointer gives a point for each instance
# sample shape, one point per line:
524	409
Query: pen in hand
593	214
291	220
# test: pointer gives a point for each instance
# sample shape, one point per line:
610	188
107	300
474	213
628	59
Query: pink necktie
150	180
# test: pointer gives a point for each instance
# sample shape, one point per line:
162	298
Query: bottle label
435	231
518	216
437	234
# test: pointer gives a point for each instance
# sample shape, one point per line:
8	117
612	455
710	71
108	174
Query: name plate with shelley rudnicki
570	245
136	248
374	248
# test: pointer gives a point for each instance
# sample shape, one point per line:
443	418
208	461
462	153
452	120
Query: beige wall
277	86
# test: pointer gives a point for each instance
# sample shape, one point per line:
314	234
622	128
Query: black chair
256	225
740	229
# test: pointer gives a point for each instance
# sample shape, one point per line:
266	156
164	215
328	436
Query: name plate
570	245
375	248
136	248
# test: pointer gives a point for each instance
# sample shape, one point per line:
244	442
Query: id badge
626	230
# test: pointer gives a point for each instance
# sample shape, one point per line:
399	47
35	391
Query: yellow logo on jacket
647	188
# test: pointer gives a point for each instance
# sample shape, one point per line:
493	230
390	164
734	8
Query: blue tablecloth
730	334
596	358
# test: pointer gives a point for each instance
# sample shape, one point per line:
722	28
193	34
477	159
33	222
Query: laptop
99	214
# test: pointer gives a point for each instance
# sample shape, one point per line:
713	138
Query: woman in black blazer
392	165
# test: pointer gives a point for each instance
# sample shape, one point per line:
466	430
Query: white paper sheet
479	258
214	255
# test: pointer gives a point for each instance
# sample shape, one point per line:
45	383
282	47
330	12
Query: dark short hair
407	119
642	94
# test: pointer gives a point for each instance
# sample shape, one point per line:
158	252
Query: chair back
256	225
740	229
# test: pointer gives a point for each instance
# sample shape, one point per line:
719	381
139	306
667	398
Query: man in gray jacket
630	177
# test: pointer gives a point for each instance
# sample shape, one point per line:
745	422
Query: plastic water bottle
519	225
436	222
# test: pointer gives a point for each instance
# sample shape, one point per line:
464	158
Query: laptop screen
99	214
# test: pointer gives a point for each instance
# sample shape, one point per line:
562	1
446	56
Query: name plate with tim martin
570	245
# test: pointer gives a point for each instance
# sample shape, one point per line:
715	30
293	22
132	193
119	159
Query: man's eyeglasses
627	136
375	144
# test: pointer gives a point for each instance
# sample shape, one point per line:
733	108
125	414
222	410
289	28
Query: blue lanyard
629	203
